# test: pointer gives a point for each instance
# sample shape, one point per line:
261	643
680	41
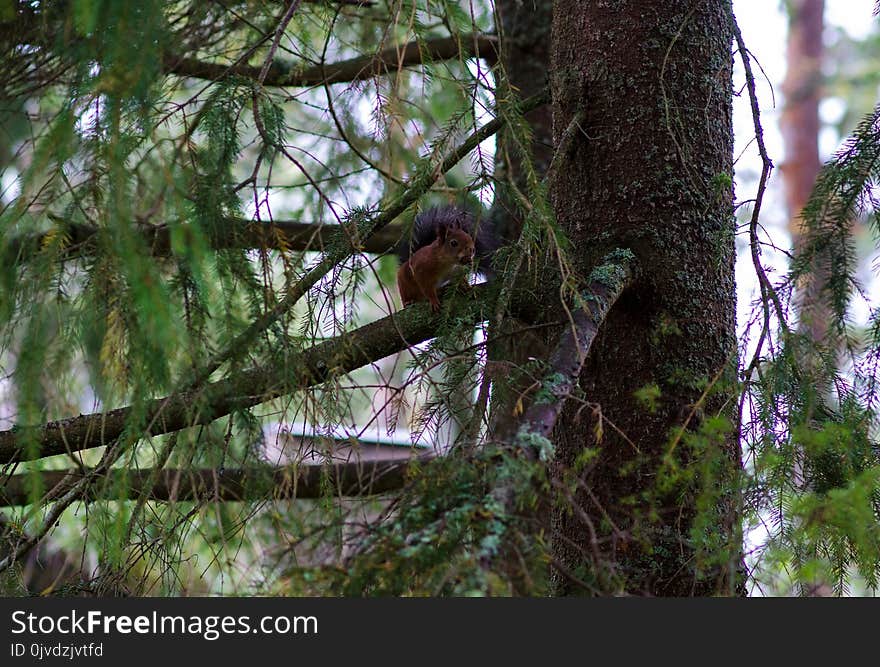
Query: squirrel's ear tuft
441	233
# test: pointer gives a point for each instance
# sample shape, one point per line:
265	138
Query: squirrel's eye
453	243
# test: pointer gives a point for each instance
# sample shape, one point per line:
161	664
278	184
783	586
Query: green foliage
448	525
648	396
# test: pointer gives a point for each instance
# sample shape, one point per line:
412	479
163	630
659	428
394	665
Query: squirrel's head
457	244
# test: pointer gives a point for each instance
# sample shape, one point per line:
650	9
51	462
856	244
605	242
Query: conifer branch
427	173
203	403
355	69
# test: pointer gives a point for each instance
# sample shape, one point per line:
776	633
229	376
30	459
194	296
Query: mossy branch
532	443
607	282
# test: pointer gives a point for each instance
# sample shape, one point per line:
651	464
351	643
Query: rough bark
650	171
525	58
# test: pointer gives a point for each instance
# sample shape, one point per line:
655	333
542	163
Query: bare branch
233	233
354	69
360	478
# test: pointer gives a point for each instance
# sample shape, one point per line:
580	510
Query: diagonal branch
360	478
391	59
607	282
242	390
427	173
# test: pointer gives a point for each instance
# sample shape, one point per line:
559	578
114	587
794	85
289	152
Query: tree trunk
802	88
650	169
800	127
525	58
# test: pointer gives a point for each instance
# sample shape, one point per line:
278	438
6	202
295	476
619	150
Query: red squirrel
440	242
432	265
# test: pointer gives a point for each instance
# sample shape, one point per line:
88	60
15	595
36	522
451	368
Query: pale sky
763	25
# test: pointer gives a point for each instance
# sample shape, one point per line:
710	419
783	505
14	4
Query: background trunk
800	128
525	57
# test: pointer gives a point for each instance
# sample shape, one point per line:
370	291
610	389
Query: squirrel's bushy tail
426	224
